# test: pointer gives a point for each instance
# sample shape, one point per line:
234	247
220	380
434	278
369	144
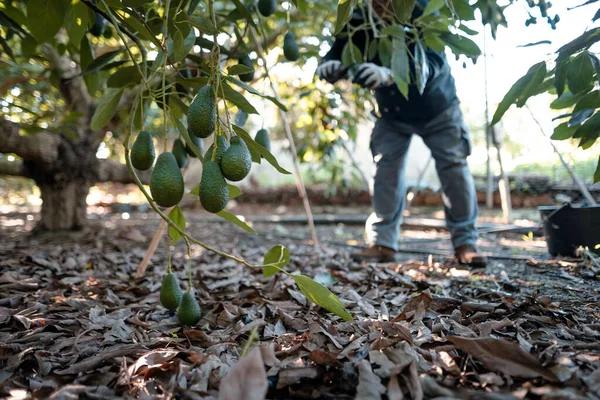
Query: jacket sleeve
335	53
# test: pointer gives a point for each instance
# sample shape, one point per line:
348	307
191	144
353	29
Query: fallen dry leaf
246	380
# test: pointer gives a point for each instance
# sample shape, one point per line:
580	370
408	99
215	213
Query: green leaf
278	255
597	173
176	216
560	76
101	61
585	40
421	66
433	6
204	25
403	9
460	44
589	131
238	69
372	52
250	89
235	220
136	3
563	132
234	191
344	14
319	294
578	117
464	10
565	100
176	48
400	65
44	18
7	48
521	90
106	108
260	149
185	135
580	73
468	30
238	99
351	54
244	12
86	57
590	100
76	22
385	52
124	77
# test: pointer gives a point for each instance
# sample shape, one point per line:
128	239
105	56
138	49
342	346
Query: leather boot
375	253
467	254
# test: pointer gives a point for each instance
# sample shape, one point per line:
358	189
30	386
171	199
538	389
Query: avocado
245	60
262	138
142	151
179	153
290	47
236	161
166	182
189	310
222	146
198	142
201	113
170	292
267	7
214	192
97	28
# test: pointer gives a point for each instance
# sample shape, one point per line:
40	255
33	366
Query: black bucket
566	228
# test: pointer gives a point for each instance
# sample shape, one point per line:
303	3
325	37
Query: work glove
372	76
331	71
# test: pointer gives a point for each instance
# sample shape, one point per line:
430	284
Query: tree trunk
64	205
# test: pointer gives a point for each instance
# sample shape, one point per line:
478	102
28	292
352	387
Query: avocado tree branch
114	171
43	146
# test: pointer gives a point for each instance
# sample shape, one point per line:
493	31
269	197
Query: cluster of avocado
172	298
232	160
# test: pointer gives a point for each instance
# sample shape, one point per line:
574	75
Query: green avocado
245	60
97	28
236	161
222	146
179	153
262	138
290	47
267	7
201	113
166	182
170	292
189	310
142	151
214	193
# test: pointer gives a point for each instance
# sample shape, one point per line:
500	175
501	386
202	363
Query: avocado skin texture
201	113
214	193
170	292
236	161
290	47
179	153
198	142
142	151
189	310
222	147
166	182
249	76
97	28
262	138
267	7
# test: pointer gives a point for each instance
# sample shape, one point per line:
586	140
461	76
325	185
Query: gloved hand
331	71
372	76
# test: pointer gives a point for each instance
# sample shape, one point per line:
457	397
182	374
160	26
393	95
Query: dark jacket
440	90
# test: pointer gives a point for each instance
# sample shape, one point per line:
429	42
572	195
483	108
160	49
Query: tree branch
12	168
41	146
114	171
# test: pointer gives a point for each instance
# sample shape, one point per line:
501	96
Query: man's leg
389	145
448	139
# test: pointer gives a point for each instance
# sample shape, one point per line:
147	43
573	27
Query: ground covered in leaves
76	323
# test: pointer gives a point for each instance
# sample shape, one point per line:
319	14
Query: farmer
434	115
